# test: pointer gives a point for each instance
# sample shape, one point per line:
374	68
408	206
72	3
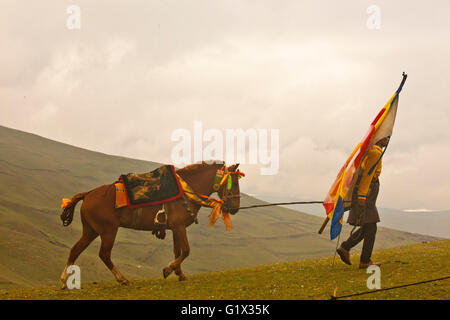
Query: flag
342	188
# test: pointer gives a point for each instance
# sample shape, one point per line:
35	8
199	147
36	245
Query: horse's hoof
166	272
182	278
63	284
124	282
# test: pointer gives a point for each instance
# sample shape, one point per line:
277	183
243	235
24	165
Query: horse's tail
69	207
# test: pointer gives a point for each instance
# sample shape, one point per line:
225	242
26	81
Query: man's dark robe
357	216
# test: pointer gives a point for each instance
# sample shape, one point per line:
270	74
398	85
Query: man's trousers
367	233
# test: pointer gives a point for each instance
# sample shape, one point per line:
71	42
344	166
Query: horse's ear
233	167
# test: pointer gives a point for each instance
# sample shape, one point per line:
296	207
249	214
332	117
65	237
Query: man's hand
362	202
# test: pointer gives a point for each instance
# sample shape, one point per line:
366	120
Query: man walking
363	212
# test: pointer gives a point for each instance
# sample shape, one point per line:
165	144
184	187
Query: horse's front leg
177	253
181	250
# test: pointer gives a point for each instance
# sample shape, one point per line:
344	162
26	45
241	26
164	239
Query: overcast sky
138	70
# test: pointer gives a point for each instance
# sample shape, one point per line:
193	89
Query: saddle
147	189
156	187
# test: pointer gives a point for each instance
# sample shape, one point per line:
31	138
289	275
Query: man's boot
345	255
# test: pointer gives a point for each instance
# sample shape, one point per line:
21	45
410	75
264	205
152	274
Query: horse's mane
192	168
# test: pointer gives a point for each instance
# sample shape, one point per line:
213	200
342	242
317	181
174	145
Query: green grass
307	279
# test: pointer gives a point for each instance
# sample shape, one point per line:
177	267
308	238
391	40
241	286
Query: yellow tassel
335	292
227	220
65	202
215	213
225	177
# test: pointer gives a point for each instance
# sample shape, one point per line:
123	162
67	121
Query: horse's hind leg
87	237
108	236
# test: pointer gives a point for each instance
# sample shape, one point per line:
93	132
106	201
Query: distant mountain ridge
432	223
35	173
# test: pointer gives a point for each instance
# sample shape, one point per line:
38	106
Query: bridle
219	206
223	182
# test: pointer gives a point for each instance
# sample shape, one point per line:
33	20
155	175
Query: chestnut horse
99	216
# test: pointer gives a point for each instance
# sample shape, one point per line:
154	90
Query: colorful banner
342	188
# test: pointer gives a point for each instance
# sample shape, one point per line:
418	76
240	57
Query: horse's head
226	184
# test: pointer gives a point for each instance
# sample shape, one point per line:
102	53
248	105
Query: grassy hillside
35	173
307	279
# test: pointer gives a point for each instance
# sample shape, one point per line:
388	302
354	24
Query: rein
289	203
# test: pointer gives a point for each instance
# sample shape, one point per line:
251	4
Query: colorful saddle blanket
151	188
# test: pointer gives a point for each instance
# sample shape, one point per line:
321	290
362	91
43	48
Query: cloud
136	72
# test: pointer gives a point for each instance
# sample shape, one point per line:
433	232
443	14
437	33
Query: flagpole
335	251
324	224
403	82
